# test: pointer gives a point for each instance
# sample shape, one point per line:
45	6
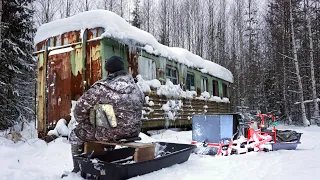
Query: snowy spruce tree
16	63
136	14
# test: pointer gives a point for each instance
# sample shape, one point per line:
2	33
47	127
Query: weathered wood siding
157	117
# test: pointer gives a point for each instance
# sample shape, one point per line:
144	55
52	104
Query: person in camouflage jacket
118	89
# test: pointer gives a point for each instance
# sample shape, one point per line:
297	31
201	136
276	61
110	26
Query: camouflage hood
119	82
119	90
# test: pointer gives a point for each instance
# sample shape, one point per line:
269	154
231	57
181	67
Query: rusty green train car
70	60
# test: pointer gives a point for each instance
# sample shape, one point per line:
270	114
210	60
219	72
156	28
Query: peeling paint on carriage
59	87
77	78
94	62
132	61
94	33
69	71
41	45
70	37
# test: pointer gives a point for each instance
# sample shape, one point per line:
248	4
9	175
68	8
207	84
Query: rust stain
93	65
91	33
58	41
41	45
59	83
94	33
132	57
70	37
76	86
77	77
64	39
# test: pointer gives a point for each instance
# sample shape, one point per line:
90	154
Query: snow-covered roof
116	27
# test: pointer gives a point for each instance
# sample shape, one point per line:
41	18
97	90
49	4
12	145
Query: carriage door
59	85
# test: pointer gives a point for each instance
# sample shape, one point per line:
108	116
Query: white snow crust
116	27
145	86
61	129
34	159
60	51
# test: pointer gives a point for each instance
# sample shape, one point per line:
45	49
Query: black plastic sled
286	140
119	165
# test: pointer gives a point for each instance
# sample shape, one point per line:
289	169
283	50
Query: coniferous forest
272	47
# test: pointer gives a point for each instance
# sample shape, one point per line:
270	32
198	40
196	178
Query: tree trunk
121	8
68	8
284	89
296	63
87	5
0	27
313	80
148	15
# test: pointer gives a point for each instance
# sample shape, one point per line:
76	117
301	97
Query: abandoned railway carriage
177	83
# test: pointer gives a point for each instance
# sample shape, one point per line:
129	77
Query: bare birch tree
46	10
311	50
146	11
67	8
296	63
163	15
211	31
284	58
86	5
107	4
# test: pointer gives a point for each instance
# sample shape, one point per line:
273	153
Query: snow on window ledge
171	90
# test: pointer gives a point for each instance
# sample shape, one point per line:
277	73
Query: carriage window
225	90
172	74
215	86
204	84
190	82
147	68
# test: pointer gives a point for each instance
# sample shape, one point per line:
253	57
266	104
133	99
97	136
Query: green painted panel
220	88
40	59
111	47
73	63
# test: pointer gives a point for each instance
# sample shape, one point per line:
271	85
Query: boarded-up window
215	86
204	84
172	74
190	82
147	68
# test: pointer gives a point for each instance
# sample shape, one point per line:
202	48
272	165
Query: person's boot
75	150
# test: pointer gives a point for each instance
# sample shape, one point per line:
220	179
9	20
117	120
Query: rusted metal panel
58	41
132	57
51	42
93	64
70	37
41	45
59	81
94	33
77	78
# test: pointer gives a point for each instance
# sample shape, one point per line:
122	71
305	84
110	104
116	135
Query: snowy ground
34	159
